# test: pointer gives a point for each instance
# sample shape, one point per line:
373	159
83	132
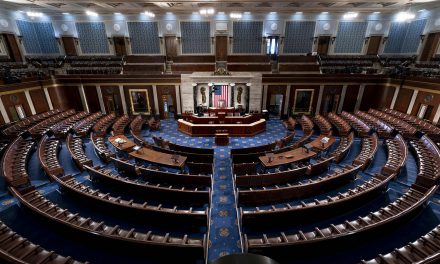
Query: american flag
220	94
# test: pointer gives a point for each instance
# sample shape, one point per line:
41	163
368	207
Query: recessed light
117	13
350	15
91	13
325	12
66	13
298	12
377	12
272	13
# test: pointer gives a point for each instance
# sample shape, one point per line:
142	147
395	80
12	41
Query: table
224	110
242	130
318	146
126	145
222	139
287	157
158	157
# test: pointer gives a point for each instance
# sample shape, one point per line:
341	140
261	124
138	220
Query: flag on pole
220	95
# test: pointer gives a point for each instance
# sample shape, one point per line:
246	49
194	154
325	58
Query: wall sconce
422	38
333	40
315	39
367	39
384	40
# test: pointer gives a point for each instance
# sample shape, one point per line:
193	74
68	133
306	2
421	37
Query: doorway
167	100
120	49
323	45
374	45
331	103
276	104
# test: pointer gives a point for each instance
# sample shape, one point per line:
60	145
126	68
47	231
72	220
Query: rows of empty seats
48	149
15	160
341	125
368	150
83	127
120	124
402	126
76	149
63	127
290	123
325	128
23	125
103	124
431	130
426	249
383	129
136	129
100	147
397	154
361	128
39	129
428	158
344	146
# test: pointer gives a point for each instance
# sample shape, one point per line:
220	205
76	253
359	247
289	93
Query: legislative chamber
208	132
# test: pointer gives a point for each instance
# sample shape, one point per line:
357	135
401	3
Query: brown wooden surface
430	47
157	157
376	96
120	47
12	46
403	100
171	47
244	130
318	146
11	100
126	146
323	44
39	101
287	157
350	98
374	45
221	48
430	99
92	98
69	46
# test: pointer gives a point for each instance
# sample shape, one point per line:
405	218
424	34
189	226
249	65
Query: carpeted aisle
224	234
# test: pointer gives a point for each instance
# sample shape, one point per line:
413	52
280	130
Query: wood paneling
249	58
11	100
12	46
69	46
323	44
429	99
164	90
221	48
112	99
430	47
374	45
92	98
250	67
376	96
298	67
193	67
39	101
194	59
65	97
331	97
2	121
276	89
149	90
119	44
171	47
350	98
403	100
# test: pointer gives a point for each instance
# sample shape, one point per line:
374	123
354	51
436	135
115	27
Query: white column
264	97
124	103
341	102
437	116
49	101
156	101
82	94
286	101
413	100
396	93
318	106
359	97
101	101
29	101
3	112
177	103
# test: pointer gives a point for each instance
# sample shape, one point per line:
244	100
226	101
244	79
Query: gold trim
131	101
21	90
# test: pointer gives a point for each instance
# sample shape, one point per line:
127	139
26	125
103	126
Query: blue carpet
379	160
409	172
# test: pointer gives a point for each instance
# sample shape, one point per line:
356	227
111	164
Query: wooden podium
222	139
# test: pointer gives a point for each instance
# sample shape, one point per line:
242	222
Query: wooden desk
318	146
279	159
222	139
241	130
224	110
159	158
126	146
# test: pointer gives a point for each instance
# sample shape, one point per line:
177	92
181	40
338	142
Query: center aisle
224	235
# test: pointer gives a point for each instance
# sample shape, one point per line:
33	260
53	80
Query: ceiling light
34	14
149	14
272	13
207	11
422	10
235	15
325	12
117	13
377	12
247	13
350	15
91	13
298	12
65	13
404	16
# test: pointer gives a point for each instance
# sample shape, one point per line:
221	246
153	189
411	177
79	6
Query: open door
323	44
374	45
120	48
69	46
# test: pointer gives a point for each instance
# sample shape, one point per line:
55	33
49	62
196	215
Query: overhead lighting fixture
91	13
272	13
247	13
34	14
116	13
404	16
324	13
298	13
422	10
350	15
65	13
377	12
207	11
235	15
149	14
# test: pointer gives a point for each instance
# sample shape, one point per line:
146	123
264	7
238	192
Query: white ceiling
185	6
